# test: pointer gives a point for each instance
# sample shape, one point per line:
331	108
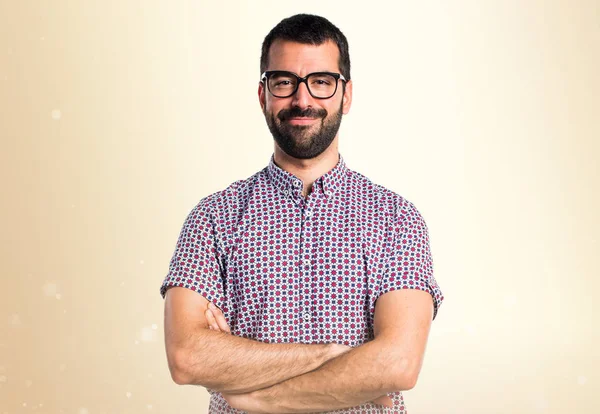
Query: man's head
304	124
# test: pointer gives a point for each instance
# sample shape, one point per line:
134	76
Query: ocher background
117	117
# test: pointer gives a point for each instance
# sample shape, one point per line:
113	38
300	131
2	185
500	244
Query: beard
304	141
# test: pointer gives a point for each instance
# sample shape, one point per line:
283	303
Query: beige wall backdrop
117	117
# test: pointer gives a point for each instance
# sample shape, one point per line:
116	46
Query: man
320	282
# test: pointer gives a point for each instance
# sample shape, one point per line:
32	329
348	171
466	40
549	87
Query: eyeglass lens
283	85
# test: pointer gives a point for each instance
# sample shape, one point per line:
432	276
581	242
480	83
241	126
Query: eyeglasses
283	84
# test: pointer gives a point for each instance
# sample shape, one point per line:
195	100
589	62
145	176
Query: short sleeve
195	263
410	265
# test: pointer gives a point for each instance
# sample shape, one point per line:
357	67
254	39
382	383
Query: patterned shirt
288	269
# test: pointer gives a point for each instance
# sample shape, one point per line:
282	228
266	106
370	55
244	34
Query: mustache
294	112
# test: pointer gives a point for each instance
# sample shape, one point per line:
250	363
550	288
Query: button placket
305	304
305	308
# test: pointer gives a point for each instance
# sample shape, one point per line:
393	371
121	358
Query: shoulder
387	200
385	197
227	200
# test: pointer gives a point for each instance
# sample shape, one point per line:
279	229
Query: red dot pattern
289	269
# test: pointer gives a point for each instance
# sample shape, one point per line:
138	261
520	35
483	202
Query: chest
304	273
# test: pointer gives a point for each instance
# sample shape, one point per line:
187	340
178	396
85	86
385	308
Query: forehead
303	58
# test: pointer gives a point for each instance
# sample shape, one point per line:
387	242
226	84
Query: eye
322	80
282	81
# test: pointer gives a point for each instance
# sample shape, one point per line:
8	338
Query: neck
308	170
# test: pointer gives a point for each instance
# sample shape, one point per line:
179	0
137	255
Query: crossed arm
259	377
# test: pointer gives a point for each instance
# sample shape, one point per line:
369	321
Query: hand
216	319
384	400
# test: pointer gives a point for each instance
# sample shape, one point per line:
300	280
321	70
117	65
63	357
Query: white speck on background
24	404
149	375
64	311
510	301
136	342
128	394
56	114
154	326
83	410
581	380
28	383
122	283
149	406
42	38
148	334
15	319
62	367
58	296
72	205
50	289
141	262
2	378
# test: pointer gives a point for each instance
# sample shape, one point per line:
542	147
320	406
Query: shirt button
307	262
306	316
308	213
285	192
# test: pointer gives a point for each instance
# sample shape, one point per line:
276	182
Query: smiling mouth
301	120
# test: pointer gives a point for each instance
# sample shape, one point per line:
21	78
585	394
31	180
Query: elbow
406	376
178	378
177	366
181	374
405	381
410	382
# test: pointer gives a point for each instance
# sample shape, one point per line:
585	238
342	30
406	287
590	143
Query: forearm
352	379
232	364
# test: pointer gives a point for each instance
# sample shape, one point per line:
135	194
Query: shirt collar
288	183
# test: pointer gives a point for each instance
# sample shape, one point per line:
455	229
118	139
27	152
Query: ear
347	98
262	96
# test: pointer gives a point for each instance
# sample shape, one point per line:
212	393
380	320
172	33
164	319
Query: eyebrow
314	71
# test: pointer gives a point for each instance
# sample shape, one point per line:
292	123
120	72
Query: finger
220	318
210	318
384	400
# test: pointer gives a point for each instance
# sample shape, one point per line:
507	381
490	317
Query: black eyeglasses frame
265	77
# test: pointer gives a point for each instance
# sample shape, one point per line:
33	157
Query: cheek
272	108
335	107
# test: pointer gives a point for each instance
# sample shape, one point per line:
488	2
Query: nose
302	97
